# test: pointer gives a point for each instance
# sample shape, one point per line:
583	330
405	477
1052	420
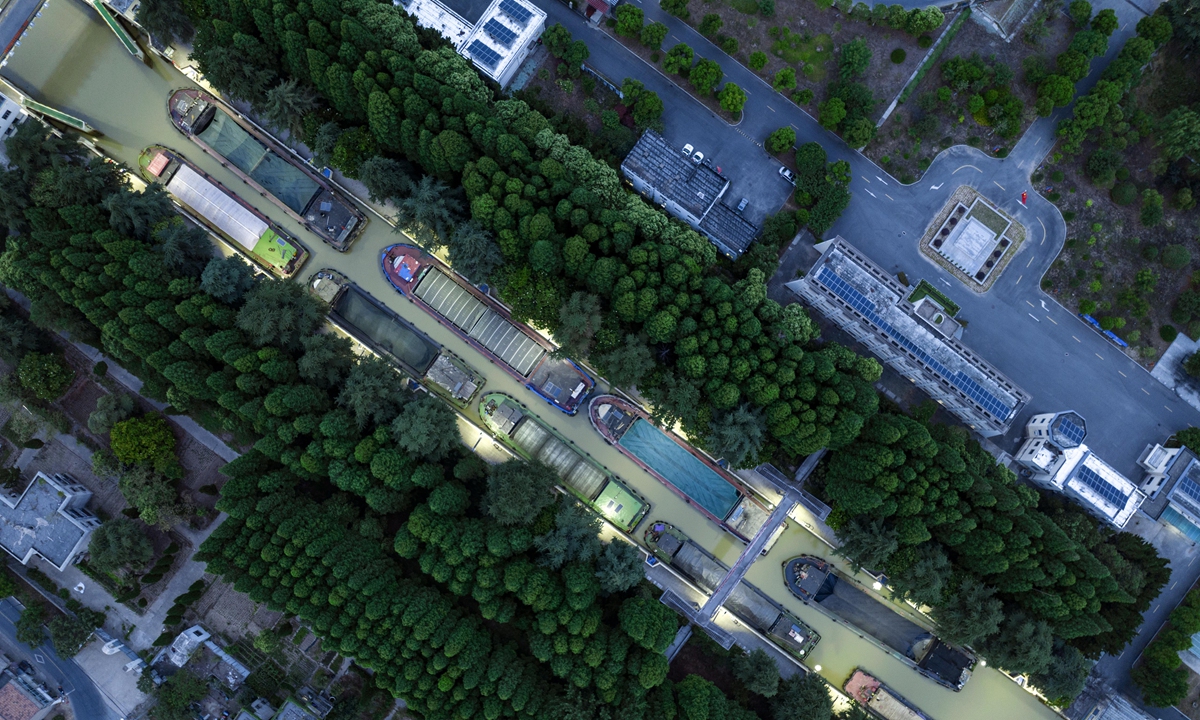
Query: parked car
698	157
742	205
787	174
687	149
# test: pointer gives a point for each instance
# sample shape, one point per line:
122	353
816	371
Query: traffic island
972	239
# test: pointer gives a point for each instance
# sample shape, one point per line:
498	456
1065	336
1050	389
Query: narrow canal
71	61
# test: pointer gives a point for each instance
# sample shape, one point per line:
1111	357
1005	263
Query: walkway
749	555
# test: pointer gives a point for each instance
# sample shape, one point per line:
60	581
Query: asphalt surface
82	693
1023	331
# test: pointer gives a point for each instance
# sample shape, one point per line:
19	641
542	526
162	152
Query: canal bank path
72	61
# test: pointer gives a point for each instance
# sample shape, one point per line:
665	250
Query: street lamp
817	668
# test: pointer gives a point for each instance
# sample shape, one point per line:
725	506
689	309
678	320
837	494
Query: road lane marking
1051	319
1030	304
937	187
870	193
889	197
1039	142
998	185
1018	282
1098	355
1173	585
1122	374
675	38
960	167
1031	259
771	108
1169	410
864	177
745	91
885	182
1145	391
1077	339
1043	231
1043	302
1034	317
947	282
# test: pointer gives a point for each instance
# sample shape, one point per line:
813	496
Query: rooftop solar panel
486	56
1103	488
515	10
968	385
1070	430
500	32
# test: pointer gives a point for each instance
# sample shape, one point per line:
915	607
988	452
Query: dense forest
357	510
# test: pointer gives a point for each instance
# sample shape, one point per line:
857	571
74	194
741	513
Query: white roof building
497	44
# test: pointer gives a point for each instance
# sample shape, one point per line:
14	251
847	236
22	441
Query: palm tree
428	213
286	104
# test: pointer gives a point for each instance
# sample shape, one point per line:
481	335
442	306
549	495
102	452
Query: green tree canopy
518	490
118	544
47	375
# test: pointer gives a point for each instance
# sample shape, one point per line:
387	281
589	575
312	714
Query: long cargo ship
668	544
694	477
880	700
258	160
513	424
233	219
487	326
814	581
379	328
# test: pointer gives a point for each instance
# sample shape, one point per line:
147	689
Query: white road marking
881	180
937	187
1043	302
864	177
1122	374
946	282
998	185
769	107
1018	282
1098	355
889	197
1030	304
1034	317
1039	140
1051	319
1031	259
870	193
1077	339
1169	410
1145	391
1043	231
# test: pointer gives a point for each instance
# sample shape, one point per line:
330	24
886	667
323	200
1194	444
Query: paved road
84	697
1042	346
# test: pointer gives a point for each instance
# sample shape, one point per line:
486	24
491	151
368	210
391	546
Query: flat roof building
690	191
867	302
1172	487
497	44
1055	455
49	520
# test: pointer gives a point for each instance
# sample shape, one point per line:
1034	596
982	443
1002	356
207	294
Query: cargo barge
487	326
259	161
387	334
814	581
880	700
511	423
682	468
669	545
233	219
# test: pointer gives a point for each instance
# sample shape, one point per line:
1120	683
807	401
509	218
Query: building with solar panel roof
1172	487
1055	455
497	43
865	301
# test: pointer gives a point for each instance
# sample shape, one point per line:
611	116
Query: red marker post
1024	196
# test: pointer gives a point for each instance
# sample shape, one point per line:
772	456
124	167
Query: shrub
758	60
803	97
147	440
48	376
729	44
100	369
1168	333
1087	307
925	41
1057	176
766	8
1152	207
1124	193
711	25
785	79
1175	257
898	55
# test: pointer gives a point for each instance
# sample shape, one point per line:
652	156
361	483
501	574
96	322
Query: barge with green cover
233	219
258	159
513	424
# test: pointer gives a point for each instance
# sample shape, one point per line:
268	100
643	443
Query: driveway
83	695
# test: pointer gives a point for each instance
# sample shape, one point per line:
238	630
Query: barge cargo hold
514	425
679	466
257	158
880	700
671	546
383	331
233	219
814	581
487	326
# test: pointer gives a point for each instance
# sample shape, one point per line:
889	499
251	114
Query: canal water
71	61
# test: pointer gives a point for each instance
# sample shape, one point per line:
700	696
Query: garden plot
972	239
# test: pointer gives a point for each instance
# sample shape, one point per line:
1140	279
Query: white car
787	175
698	157
687	149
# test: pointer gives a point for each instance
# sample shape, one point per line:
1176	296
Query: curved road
84	697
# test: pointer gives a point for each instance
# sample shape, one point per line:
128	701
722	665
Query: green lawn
748	7
989	217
